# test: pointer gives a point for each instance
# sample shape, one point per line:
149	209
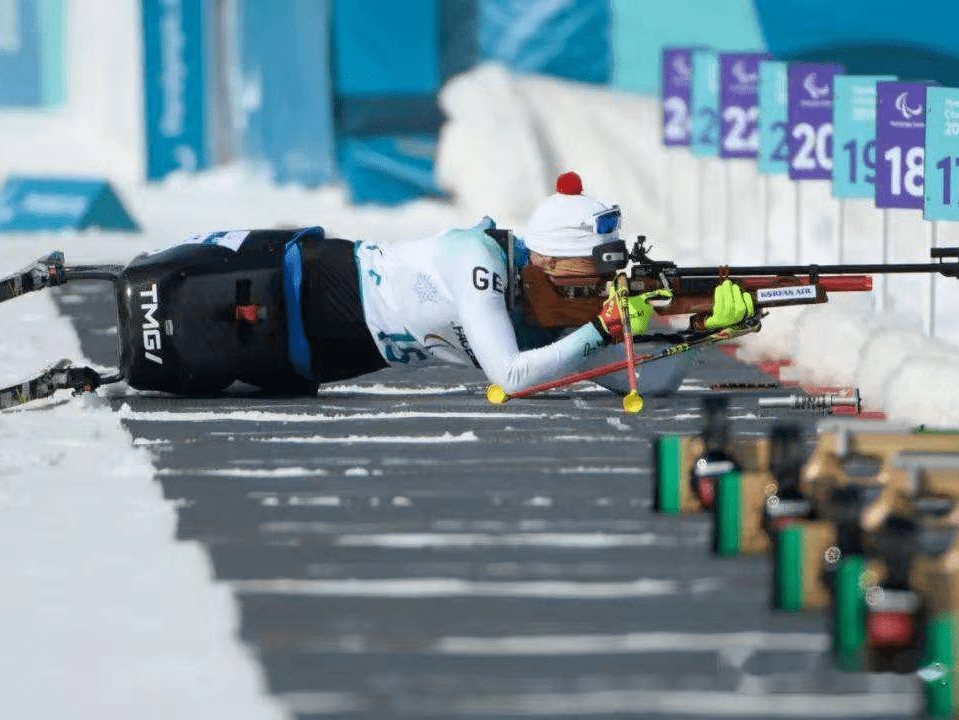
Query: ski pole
498	396
632	402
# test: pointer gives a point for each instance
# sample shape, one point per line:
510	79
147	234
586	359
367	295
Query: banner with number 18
900	139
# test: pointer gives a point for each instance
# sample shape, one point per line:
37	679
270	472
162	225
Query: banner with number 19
854	133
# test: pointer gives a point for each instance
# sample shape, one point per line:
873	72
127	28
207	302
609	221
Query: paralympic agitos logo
816	92
902	105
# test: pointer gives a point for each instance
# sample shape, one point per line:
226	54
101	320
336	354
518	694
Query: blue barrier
32	203
284	54
20	83
175	86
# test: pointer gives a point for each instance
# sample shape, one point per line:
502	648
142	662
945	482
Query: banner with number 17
942	154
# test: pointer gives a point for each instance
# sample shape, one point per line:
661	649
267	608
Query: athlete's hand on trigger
730	306
640	312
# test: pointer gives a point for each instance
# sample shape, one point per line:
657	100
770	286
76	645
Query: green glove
640	313
730	306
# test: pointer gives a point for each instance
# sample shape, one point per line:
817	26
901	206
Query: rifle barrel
950	269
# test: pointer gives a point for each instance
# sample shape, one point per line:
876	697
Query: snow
110	617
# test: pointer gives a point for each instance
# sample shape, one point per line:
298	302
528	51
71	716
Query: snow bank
104	614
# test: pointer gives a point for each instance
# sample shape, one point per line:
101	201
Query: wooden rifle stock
693	295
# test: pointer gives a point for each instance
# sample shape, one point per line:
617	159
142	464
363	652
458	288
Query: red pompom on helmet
569	183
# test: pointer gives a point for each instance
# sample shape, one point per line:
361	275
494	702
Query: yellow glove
609	321
730	306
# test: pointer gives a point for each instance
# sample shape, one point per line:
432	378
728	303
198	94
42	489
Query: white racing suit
442	300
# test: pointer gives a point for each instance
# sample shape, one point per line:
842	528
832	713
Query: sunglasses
607	221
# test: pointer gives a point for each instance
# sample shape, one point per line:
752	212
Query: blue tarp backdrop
566	38
288	119
914	40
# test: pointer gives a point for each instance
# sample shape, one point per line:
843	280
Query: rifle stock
769	286
695	294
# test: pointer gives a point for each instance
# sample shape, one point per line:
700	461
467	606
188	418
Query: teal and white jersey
442	300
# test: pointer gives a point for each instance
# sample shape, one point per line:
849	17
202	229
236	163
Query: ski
497	396
63	375
49	271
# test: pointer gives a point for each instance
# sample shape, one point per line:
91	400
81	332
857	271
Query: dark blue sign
677	71
810	120
739	104
174	84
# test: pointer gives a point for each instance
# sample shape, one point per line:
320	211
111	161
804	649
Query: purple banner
810	120
900	143
739	104
677	86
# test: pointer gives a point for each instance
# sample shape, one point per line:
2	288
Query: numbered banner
773	119
810	120
704	104
739	105
677	81
900	139
854	135
942	154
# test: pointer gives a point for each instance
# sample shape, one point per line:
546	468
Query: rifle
769	285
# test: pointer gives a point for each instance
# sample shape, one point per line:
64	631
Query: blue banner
704	104
20	66
51	203
174	86
773	118
552	37
854	135
285	59
942	154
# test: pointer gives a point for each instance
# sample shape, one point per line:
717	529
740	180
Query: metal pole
700	222
797	248
670	194
767	221
883	280
727	232
841	230
934	237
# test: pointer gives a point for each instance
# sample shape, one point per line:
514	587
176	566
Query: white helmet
570	224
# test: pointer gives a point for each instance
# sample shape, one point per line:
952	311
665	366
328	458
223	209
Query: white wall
99	128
